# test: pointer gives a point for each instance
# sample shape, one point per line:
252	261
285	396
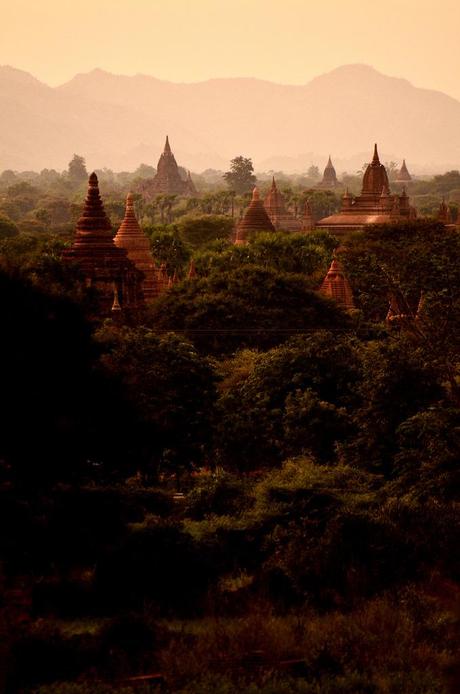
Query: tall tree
241	177
77	170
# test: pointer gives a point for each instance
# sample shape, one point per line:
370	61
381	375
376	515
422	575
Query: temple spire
375	158
132	239
336	286
93	217
167	149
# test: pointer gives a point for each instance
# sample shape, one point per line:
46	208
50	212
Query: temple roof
93	230
336	286
375	177
93	218
403	173
131	237
329	176
168	179
280	217
254	219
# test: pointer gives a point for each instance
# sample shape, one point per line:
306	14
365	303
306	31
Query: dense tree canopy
241	177
250	306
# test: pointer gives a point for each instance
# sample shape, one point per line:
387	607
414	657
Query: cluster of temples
120	269
375	205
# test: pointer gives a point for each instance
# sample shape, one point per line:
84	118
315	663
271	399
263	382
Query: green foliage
168	247
426	465
7	228
241	177
217	493
392	372
198	231
171	387
77	170
292	400
250	306
284	252
322	202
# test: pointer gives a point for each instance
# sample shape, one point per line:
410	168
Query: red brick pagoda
336	286
104	266
375	205
131	237
255	219
168	180
280	217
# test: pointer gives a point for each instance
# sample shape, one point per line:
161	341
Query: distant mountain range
119	122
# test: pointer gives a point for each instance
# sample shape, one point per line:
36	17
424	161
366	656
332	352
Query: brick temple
403	175
168	179
279	215
375	205
104	266
137	246
337	287
329	176
254	219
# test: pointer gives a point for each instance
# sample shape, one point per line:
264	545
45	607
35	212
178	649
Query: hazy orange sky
287	41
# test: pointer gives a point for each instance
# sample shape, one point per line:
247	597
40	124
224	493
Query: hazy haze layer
120	121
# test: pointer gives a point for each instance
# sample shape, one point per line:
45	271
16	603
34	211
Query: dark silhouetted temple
168	180
375	205
329	176
131	237
336	286
280	217
104	266
254	219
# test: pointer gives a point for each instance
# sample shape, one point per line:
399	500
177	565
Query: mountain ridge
113	120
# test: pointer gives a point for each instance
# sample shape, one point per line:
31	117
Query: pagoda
168	180
375	205
337	287
131	237
254	219
403	175
329	176
280	217
105	266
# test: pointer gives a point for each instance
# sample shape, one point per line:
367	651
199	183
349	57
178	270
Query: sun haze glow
192	40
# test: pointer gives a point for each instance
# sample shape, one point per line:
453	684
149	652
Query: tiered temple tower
336	286
280	217
131	237
104	266
375	205
329	176
255	219
403	175
168	180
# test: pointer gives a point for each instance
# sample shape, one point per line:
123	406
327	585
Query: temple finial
375	159
167	145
